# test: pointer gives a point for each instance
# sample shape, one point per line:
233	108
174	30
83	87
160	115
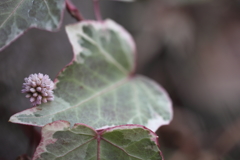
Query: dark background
192	48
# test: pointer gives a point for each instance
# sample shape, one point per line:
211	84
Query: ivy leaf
133	142
16	16
98	87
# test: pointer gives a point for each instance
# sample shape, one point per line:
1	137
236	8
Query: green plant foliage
16	16
98	87
126	142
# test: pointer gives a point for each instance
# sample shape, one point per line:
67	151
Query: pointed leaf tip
19	15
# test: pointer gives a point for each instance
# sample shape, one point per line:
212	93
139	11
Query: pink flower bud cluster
38	88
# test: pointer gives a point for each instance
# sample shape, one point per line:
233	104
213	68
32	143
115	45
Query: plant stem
97	10
74	12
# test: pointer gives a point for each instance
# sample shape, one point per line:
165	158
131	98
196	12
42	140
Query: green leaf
126	142
16	16
98	87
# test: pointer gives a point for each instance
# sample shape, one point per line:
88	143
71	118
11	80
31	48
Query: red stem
97	10
75	13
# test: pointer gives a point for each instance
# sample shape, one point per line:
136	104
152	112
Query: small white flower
38	88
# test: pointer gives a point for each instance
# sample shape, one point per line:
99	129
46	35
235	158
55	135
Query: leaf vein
12	13
106	54
76	148
120	149
50	13
117	84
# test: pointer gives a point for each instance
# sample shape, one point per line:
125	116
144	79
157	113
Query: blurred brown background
191	47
